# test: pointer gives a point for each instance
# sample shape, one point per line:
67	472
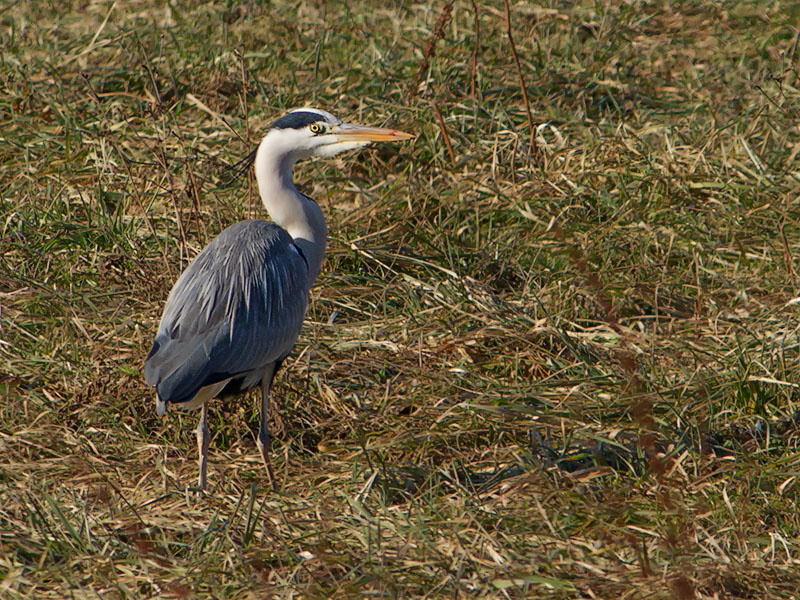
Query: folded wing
238	307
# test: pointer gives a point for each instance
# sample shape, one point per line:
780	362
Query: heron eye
316	128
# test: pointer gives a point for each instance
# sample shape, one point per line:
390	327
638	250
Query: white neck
300	216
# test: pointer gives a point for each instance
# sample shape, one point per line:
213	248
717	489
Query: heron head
312	132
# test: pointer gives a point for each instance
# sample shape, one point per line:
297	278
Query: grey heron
235	313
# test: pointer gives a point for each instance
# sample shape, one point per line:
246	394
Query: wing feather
236	308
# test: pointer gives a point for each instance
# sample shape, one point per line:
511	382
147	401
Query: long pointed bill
348	132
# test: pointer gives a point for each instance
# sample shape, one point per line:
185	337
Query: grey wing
238	307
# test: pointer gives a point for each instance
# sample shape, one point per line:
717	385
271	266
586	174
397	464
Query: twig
243	103
787	252
214	115
641	409
127	163
533	148
157	104
429	49
474	67
444	132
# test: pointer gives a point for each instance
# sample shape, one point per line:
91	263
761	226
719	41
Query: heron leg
263	431
202	445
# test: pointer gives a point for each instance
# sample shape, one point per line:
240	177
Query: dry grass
574	378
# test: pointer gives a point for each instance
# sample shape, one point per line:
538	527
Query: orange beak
348	132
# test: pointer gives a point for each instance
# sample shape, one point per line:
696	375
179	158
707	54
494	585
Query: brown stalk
521	78
429	49
787	252
444	132
127	163
474	66
641	409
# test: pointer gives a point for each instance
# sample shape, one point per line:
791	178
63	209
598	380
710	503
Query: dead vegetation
571	377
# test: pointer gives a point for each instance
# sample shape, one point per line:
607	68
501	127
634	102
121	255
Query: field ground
568	371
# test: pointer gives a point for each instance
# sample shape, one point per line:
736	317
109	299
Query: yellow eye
315	128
